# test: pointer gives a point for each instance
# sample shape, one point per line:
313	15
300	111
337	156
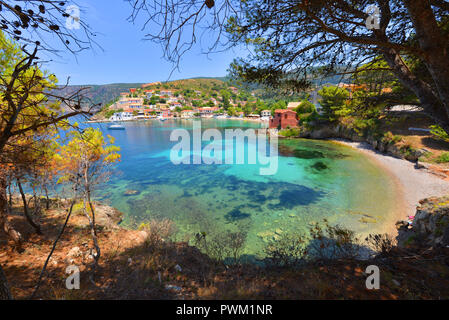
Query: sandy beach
412	184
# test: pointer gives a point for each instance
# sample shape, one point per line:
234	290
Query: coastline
412	184
195	118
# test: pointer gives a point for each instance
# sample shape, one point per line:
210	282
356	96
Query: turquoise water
315	180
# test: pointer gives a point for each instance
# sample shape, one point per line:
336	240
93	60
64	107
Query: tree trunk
25	210
39	281
5	294
92	222
4	223
47	199
435	45
430	100
93	229
10	194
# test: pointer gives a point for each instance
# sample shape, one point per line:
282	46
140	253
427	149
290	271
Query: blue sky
126	56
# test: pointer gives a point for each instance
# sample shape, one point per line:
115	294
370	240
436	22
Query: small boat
116	127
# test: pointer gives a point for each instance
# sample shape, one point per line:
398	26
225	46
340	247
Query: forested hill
106	93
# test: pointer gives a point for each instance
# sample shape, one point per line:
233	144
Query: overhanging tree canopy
289	37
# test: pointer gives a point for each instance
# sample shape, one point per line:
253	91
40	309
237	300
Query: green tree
334	102
290	38
305	107
29	104
85	162
225	98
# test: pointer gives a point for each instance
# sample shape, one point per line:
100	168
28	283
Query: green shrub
288	251
439	133
382	243
305	118
221	246
443	158
305	107
158	232
332	242
322	242
290	132
390	138
408	151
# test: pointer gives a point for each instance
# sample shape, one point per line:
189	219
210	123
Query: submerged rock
130	192
265	234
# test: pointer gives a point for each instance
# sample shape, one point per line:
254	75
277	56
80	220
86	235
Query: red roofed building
284	118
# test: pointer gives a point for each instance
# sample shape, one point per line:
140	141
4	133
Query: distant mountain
108	92
224	79
102	93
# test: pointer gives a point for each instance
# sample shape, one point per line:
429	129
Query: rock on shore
430	226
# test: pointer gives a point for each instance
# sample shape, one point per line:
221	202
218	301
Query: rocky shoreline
430	226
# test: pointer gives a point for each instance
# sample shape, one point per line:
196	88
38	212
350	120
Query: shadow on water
236	214
292	195
306	150
318	166
287	151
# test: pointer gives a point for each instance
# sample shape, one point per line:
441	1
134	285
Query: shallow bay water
315	180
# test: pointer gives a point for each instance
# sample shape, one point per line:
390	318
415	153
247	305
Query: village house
124	102
135	106
207	111
176	105
234	90
121	116
284	118
293	105
163	113
351	87
187	113
265	115
148	94
166	93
